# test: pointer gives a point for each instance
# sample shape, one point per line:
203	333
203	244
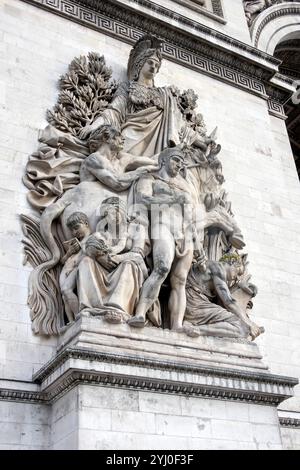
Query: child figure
77	248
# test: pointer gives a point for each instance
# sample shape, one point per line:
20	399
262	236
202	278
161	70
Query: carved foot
253	335
191	332
113	317
178	329
66	327
137	322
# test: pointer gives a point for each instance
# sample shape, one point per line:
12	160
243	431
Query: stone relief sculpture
254	7
212	308
171	236
131	212
107	282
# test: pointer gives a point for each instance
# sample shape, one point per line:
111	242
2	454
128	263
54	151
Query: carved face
173	165
150	68
237	270
202	266
80	230
113	216
117	143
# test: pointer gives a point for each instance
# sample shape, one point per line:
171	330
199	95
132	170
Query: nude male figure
172	242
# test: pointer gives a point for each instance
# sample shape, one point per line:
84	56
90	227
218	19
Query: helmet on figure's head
147	46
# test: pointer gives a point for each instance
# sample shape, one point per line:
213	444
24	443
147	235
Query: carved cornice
231	384
270	15
289	422
63	373
7	394
285	78
125	359
214	53
85	10
279	93
164	386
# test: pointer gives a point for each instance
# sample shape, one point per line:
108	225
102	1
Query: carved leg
221	329
177	301
163	255
67	285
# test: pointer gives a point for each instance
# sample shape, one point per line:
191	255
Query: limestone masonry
149	204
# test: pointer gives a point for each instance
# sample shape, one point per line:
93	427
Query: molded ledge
93	351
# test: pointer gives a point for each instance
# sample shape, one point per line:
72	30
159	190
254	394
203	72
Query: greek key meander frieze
276	109
131	17
180	48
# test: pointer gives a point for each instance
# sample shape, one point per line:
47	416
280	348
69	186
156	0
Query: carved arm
231	305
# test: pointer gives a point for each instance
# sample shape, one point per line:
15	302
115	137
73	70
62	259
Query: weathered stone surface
35	48
167	227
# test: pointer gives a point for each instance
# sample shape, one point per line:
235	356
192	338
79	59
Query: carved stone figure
109	164
102	175
211	308
79	225
111	274
129	188
150	117
171	236
254	7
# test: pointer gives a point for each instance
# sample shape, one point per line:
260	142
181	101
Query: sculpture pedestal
118	388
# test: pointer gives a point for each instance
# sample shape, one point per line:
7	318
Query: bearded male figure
211	309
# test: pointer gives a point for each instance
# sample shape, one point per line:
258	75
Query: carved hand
107	262
87	130
209	140
146	169
180	198
134	175
151	168
254	330
75	247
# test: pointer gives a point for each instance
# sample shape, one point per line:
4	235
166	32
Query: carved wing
44	294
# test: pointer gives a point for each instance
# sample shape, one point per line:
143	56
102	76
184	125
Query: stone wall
24	426
35	49
109	418
290	438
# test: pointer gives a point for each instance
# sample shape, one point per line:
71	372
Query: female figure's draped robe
149	119
102	291
118	290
